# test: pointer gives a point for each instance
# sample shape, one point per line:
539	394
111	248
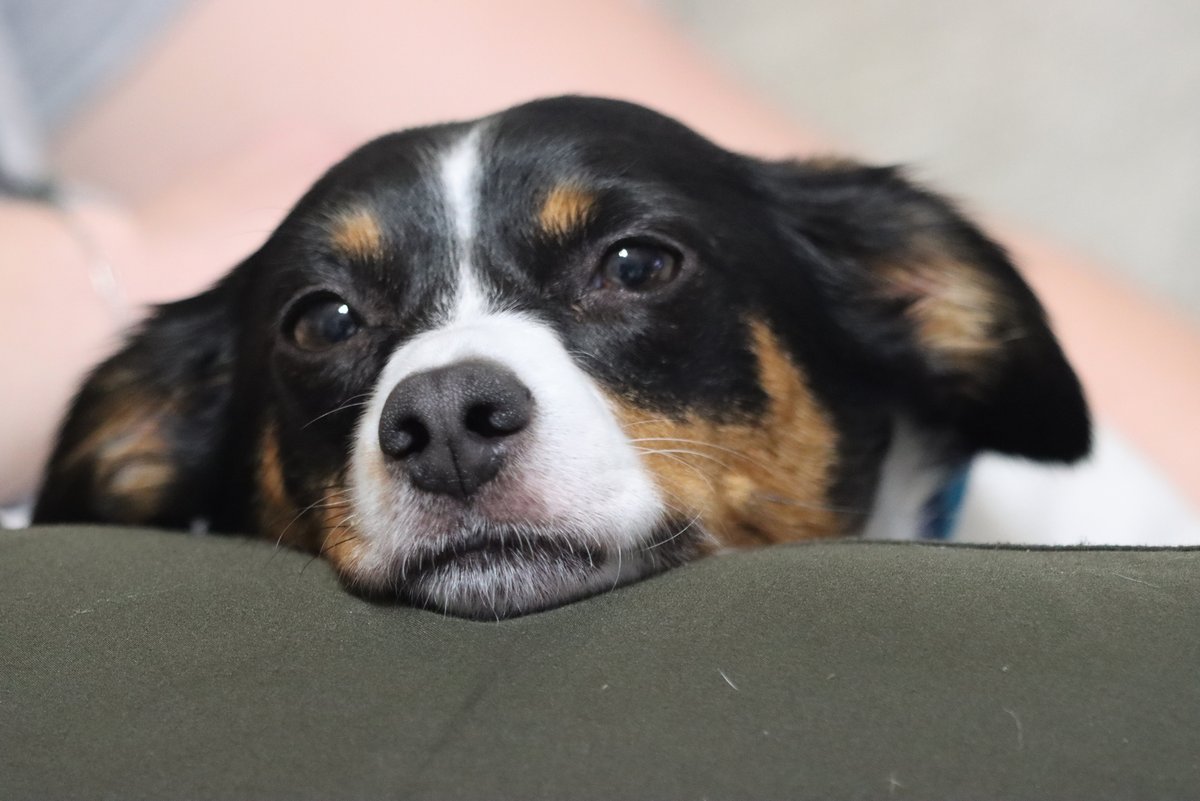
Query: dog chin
509	582
496	572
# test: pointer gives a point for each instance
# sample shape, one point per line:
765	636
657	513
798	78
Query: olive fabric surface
142	664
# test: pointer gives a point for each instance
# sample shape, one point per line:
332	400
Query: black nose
452	426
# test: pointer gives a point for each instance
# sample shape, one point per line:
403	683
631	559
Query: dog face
494	366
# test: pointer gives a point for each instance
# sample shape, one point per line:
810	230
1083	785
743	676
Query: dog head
494	366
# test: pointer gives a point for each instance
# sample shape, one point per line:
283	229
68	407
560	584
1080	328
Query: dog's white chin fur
518	578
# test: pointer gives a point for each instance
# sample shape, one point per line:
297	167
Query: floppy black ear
144	433
934	309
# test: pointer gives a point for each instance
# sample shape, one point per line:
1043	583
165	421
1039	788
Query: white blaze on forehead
460	168
460	180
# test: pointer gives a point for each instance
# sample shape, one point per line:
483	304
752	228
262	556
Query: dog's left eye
322	321
636	267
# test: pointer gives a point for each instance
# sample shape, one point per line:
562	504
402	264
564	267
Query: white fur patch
909	476
460	182
460	185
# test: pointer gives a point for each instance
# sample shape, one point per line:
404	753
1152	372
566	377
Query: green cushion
142	664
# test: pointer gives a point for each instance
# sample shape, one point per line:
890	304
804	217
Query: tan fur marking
139	486
565	208
325	528
356	233
340	540
763	480
131	471
956	309
278	517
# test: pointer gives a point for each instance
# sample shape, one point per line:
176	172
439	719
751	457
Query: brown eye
637	267
321	322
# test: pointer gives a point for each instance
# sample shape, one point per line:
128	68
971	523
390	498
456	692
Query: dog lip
494	545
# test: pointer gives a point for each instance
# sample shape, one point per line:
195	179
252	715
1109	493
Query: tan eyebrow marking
566	207
355	232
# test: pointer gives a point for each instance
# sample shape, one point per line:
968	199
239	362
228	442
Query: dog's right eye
321	322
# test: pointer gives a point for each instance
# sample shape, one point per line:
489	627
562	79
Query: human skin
203	146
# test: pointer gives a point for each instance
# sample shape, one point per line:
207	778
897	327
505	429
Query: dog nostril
491	419
403	437
409	436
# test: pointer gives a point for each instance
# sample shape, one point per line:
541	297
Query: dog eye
637	267
321	322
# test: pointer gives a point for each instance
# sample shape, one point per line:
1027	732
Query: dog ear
143	436
934	310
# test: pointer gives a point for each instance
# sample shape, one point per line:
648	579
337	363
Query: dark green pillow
142	664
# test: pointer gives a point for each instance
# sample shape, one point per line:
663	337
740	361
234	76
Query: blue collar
940	513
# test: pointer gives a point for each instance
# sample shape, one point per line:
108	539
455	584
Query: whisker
325	549
652	452
701	443
348	404
649	421
323	502
587	355
345	521
686	452
617	575
691	523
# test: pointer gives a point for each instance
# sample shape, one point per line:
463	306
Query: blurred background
192	126
1078	119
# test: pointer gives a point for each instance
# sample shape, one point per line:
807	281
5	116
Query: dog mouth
491	547
493	571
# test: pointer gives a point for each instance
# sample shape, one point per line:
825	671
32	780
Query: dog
492	367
